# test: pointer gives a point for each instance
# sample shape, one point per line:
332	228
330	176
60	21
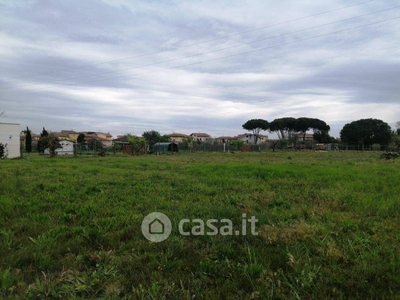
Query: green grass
328	227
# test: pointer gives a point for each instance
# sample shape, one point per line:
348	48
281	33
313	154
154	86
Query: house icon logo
156	227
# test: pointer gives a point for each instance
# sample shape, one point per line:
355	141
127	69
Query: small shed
165	147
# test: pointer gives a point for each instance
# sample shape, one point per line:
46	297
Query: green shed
165	147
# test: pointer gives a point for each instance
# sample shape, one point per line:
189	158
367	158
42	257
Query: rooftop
69	131
200	134
175	134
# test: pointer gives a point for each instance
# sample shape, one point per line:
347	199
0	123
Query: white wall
249	139
9	134
67	148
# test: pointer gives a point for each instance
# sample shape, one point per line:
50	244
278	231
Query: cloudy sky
125	66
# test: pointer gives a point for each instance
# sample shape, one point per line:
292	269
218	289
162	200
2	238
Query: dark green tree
137	143
256	125
236	144
50	142
284	127
43	141
44	132
153	137
80	139
28	141
302	125
2	150
165	138
323	137
366	132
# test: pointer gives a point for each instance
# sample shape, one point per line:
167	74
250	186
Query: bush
2	150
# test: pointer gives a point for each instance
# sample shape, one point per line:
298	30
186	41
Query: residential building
72	135
178	137
10	138
249	138
263	138
306	137
60	135
104	138
201	137
121	139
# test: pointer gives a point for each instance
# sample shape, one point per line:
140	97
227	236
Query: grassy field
329	227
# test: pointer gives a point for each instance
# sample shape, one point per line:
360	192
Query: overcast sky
125	66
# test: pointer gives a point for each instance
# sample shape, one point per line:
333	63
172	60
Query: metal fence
220	147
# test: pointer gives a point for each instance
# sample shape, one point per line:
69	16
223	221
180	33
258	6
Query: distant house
246	138
67	148
10	138
60	135
104	138
106	142
72	135
263	138
249	138
201	137
69	135
306	137
121	139
178	137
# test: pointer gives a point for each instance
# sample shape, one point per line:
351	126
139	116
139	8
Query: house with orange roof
72	135
178	137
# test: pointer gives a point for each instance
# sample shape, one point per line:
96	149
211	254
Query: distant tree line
148	139
364	132
360	133
289	128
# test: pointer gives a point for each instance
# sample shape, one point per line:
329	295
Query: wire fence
117	149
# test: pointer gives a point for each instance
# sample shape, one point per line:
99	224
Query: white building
249	138
67	147
201	137
9	137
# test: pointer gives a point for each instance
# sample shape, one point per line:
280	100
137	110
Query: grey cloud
366	81
66	40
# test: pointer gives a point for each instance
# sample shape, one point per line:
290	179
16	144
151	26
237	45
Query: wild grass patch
328	227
